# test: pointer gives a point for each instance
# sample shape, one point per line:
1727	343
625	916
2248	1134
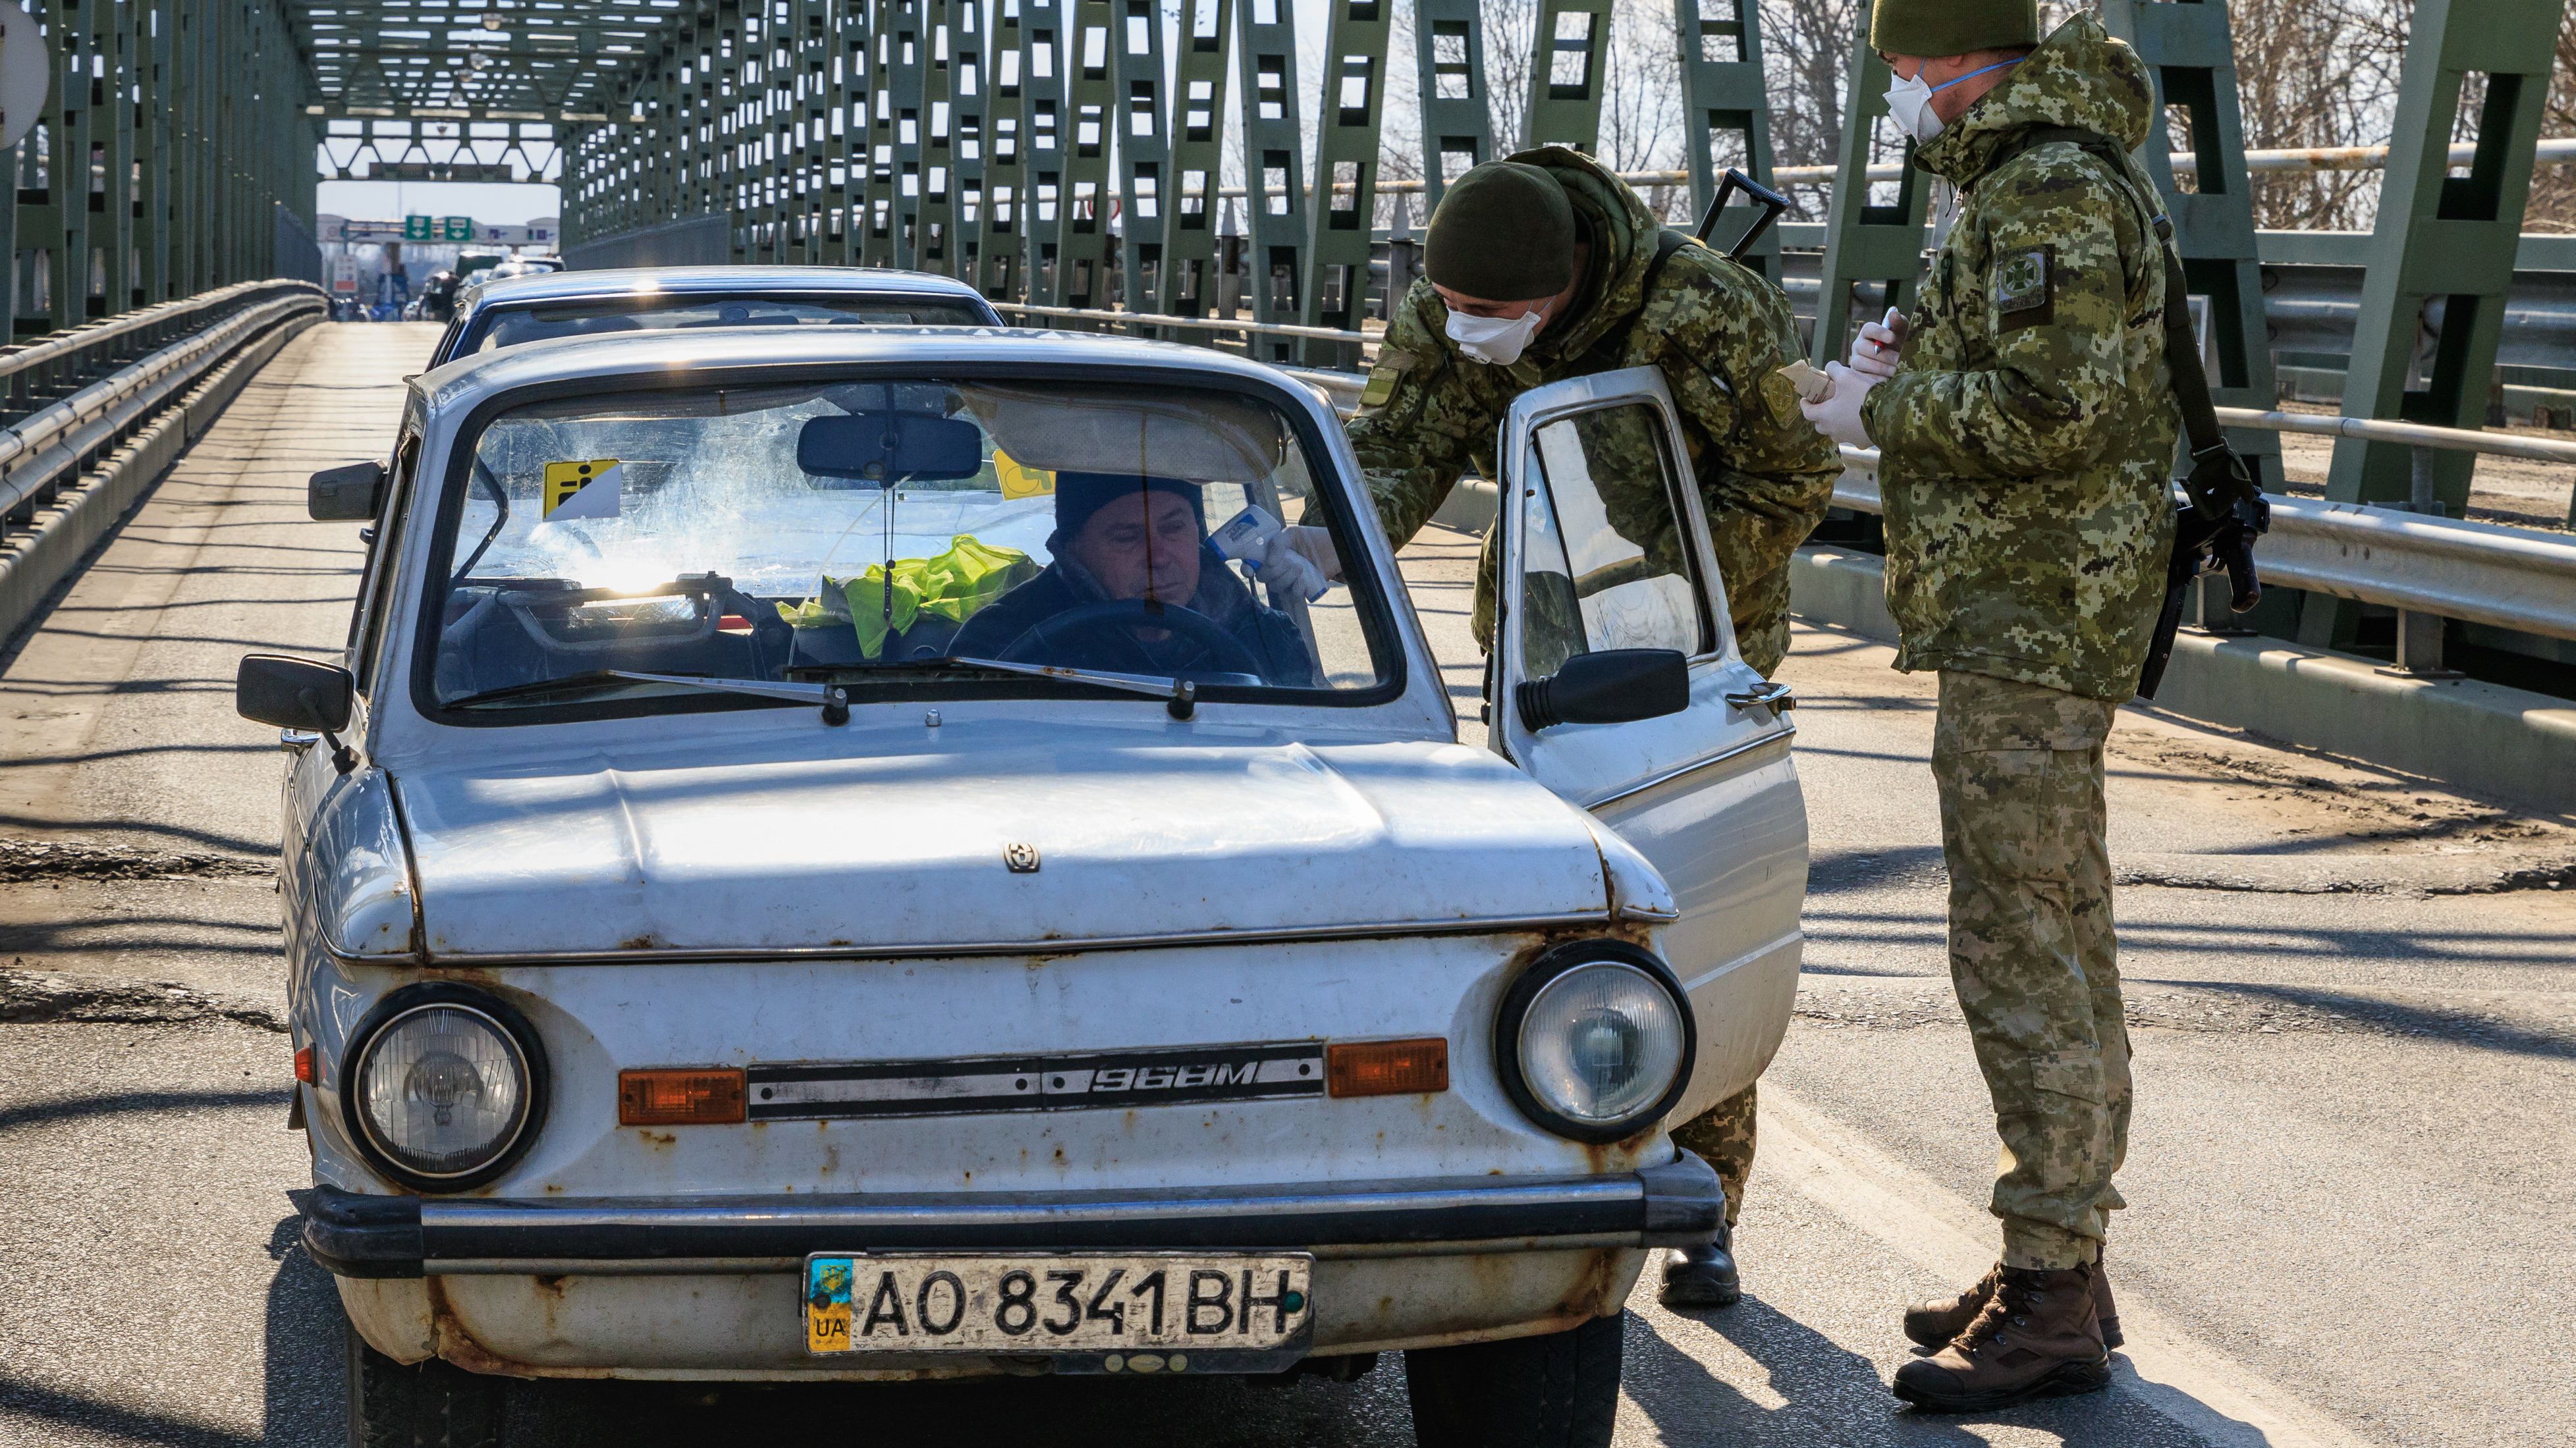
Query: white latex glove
1875	349
1838	415
1294	566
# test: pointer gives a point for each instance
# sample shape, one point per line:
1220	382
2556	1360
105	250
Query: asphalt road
2350	998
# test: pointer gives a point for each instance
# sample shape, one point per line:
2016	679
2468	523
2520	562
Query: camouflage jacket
2028	437
1716	329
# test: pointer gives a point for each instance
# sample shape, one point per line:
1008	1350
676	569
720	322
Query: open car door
1686	752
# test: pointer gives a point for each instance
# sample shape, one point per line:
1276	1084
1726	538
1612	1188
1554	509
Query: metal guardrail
2488	573
2516	578
1212	324
52	440
2185	163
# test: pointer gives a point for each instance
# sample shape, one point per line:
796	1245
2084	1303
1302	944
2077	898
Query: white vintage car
860	853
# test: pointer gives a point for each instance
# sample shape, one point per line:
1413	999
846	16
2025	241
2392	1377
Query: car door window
1606	563
375	590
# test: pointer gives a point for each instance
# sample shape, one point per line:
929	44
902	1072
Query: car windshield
506	326
882	531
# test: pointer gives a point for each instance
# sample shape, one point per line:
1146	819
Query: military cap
1504	232
1952	27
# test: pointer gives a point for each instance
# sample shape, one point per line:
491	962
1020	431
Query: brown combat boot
2036	1337
1934	1322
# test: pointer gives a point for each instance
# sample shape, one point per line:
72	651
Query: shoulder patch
1392	363
2022	288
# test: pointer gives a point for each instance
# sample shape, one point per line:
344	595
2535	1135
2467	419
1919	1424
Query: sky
492	204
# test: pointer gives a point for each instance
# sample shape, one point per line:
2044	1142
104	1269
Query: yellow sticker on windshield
1019	480
587	489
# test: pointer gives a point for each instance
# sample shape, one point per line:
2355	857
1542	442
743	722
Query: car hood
987	837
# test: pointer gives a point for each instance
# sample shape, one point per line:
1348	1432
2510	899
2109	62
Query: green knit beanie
1952	27
1504	233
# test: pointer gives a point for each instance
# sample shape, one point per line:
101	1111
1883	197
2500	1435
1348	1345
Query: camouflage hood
2080	77
1622	234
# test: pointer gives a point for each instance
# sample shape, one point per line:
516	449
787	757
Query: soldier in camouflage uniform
2028	435
1553	235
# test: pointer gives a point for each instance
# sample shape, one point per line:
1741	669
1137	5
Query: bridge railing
2427	567
74	396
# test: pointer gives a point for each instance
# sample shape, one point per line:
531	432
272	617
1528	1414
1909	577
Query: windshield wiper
835	702
1179	696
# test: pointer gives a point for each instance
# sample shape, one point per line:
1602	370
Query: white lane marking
2195	1386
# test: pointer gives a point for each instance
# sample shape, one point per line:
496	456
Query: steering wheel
1120	620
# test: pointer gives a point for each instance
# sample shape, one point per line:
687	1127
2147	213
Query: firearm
1773	204
2215	530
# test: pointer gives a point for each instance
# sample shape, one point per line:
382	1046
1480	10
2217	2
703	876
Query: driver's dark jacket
1270	636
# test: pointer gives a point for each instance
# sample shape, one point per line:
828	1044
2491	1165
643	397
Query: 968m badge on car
1158	1303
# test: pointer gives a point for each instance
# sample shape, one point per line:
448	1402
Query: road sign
419	228
26	72
456	228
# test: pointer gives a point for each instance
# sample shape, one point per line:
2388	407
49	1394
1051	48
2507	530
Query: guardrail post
1866	243
2419	635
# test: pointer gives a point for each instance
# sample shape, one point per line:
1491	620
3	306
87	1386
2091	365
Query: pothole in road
35	861
28	997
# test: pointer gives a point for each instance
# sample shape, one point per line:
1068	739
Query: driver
1125	537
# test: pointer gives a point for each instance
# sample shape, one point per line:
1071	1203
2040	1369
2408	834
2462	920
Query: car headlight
444	1087
1595	1041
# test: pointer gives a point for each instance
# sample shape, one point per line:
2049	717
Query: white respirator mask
1909	102
1495	340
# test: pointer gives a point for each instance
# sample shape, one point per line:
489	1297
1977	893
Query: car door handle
1778	698
296	741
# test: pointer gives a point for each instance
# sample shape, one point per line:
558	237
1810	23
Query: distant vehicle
524	266
437	299
508	311
822	859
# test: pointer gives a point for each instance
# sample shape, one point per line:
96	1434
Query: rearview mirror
885	448
1613	686
294	693
345	494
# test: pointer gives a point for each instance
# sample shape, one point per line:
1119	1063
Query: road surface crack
29	997
29	861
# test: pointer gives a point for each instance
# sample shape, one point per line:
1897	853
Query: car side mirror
294	693
1612	686
345	494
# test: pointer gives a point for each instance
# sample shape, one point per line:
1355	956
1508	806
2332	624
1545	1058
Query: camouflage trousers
1723	1136
2032	954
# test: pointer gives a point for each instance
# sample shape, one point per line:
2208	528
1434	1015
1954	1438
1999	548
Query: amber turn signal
1386	1068
304	1064
680	1096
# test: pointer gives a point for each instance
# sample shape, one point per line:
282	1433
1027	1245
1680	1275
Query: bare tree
1808	49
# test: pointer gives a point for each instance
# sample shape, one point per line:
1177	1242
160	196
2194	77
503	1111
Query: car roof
622	281
667	354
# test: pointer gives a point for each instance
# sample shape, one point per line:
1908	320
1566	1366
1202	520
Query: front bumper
1676	1204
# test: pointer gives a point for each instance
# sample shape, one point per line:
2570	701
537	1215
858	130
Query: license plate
1005	1303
